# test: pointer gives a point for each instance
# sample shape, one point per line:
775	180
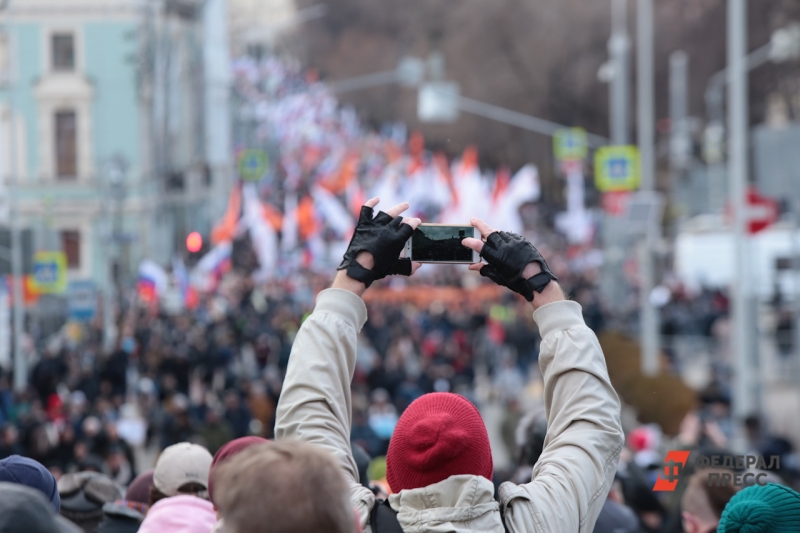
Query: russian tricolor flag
152	281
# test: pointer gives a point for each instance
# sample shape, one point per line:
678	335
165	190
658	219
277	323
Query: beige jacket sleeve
315	404
584	436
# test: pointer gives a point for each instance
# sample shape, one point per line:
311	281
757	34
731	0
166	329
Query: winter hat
83	495
139	489
179	465
25	471
766	508
227	451
27	509
440	435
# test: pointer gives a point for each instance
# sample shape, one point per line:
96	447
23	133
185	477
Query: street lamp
784	45
116	170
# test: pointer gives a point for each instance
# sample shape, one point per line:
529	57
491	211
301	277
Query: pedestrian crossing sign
253	164
616	168
570	144
49	273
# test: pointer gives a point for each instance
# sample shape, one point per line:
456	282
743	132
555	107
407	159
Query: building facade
102	127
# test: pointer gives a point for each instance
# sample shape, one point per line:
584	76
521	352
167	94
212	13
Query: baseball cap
26	471
181	464
26	509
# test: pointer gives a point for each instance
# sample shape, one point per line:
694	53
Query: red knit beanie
228	450
439	435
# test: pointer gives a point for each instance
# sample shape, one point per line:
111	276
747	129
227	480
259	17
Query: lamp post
115	198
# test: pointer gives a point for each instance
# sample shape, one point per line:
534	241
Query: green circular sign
253	164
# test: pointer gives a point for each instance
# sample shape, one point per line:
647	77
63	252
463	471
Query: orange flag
226	228
273	217
306	217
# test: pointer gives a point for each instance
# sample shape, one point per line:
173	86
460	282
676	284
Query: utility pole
619	50
217	103
20	364
743	400
679	142
645	84
615	240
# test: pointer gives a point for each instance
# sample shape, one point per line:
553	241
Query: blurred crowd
214	373
211	372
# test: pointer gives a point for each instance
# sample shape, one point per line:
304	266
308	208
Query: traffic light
194	242
196	248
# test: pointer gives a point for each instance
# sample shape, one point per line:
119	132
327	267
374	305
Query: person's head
702	504
181	469
752	425
9	436
83	495
115	459
307	491
26	509
438	436
25	471
232	401
766	508
139	489
229	450
529	436
212	416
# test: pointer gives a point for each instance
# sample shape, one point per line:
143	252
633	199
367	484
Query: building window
71	245
5	59
66	145
63	52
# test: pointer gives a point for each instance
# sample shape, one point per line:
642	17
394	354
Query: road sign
49	272
82	299
570	144
438	102
762	212
615	203
616	168
253	164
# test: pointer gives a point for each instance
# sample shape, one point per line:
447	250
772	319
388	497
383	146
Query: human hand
374	250
514	263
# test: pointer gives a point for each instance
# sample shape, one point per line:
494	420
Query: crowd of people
133	438
222	391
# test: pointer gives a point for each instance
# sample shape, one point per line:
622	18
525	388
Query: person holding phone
439	463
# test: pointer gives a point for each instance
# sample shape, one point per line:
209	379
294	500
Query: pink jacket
179	514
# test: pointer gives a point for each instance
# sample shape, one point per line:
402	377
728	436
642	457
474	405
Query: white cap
180	464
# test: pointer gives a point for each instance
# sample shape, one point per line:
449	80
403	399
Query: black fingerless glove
507	255
384	238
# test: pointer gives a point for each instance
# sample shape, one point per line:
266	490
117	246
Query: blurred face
231	402
115	461
10	436
692	524
81	451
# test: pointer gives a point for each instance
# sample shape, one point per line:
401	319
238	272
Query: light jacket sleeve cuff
344	304
558	316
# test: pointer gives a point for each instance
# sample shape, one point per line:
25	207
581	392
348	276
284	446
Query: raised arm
584	434
315	403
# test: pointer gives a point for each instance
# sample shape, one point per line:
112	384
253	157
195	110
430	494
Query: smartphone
441	243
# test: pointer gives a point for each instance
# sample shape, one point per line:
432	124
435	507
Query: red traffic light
194	242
